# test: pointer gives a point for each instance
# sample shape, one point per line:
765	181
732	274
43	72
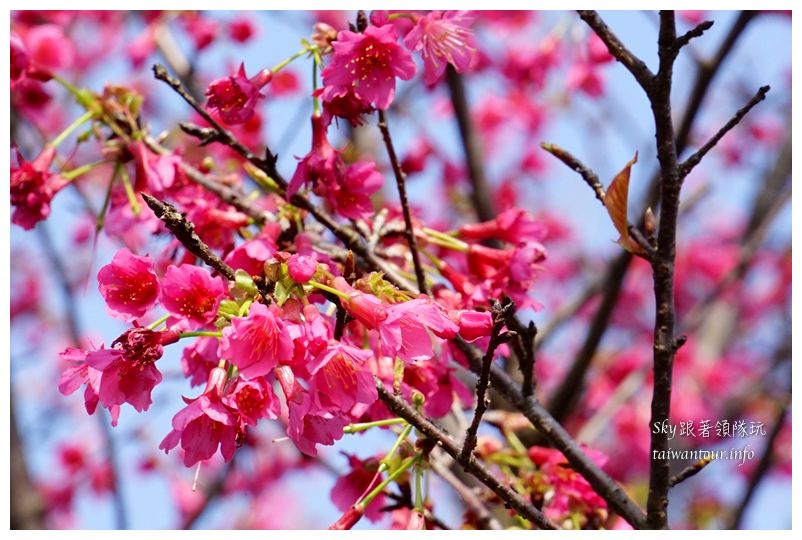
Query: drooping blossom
154	173
77	373
351	198
204	425
128	285
257	343
252	254
190	293
406	331
360	480
366	66
19	59
509	226
474	324
309	424
33	187
199	358
233	98
322	165
341	377
443	37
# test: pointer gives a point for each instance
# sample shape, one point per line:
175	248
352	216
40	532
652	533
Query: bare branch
689	471
693	33
687	166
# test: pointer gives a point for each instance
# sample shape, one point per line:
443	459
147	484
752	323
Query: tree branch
687	166
635	65
473	466
689	471
400	180
484	518
481	195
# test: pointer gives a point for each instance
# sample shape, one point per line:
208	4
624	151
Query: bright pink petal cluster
128	285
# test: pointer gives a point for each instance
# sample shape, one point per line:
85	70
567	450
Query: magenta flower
128	285
33	187
252	254
234	98
48	48
351	198
366	65
301	268
341	377
190	293
128	373
406	332
257	343
79	373
443	37
19	59
509	226
154	173
204	425
199	358
474	324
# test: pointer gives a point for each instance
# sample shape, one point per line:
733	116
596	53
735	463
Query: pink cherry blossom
257	343
443	37
301	268
190	293
322	165
340	377
252	400
128	285
360	480
48	48
233	98
199	358
252	254
366	66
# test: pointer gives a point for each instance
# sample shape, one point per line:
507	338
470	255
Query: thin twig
496	339
693	33
689	471
400	180
687	166
473	466
184	232
472	501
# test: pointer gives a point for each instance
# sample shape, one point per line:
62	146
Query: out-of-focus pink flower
141	47
340	377
598	53
199	358
351	486
443	37
301	268
48	48
128	285
241	29
586	77
19	58
366	66
415	160
203	30
510	226
154	173
233	98
351	198
33	187
257	343
191	293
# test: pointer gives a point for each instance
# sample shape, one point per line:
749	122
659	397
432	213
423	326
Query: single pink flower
241	29
154	173
77	373
190	293
509	226
301	268
128	285
199	358
128	371
341	377
33	187
233	98
598	53
363	307
204	425
587	78
366	65
203	30
406	331
444	37
351	198
257	343
474	324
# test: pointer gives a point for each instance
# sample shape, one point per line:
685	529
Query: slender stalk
400	180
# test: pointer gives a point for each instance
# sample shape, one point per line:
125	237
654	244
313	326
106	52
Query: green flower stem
405	465
83	169
202	333
328	289
78	122
129	192
158	322
284	63
356	428
444	240
419	488
384	464
101	217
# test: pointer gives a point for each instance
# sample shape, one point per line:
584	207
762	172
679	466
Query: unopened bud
323	36
649	222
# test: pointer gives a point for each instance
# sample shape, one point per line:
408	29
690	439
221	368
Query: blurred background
538	80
